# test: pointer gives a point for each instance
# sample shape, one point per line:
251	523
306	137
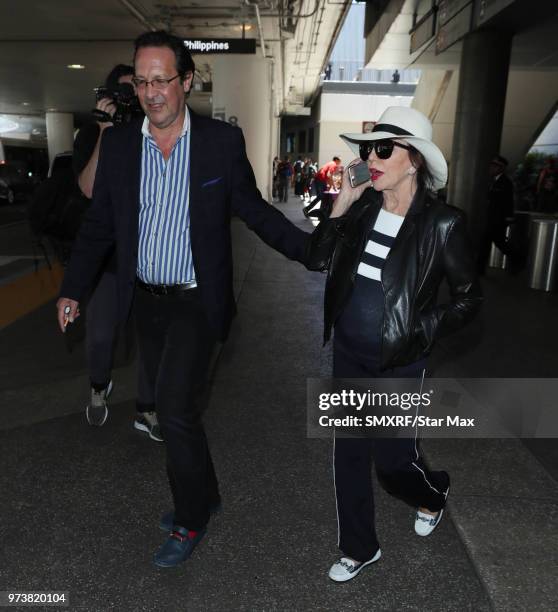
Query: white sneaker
346	569
426	523
96	411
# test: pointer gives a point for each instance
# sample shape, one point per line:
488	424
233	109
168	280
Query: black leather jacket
431	244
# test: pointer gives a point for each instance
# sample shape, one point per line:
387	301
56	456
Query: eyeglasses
157	83
383	148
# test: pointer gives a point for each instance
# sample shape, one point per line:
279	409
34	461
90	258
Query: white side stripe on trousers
335	492
416	435
413	464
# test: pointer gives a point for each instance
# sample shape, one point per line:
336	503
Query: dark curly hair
120	70
162	38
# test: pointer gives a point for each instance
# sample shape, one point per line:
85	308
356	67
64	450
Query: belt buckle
155	290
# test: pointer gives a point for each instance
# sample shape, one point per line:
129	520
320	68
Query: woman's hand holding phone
348	193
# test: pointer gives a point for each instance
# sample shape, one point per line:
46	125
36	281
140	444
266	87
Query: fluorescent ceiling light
76	66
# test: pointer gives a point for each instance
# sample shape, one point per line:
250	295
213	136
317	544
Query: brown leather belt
166	289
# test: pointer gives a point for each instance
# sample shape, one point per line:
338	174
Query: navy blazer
222	183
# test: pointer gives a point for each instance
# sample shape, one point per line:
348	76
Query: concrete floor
80	506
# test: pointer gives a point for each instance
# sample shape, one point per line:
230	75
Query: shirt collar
185	126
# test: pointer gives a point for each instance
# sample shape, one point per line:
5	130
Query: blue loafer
167	520
178	547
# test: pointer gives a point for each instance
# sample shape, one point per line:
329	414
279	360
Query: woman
387	246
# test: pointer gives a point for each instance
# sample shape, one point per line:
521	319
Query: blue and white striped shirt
165	252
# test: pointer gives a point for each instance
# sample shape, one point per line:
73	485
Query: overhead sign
455	29
221	45
486	9
423	31
449	8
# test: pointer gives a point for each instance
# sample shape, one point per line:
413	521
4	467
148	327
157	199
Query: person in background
275	182
500	209
322	182
285	173
298	177
387	247
307	177
102	326
546	192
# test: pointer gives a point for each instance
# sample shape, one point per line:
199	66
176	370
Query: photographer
116	103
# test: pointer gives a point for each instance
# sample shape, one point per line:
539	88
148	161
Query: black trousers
102	331
319	187
495	233
176	344
399	467
284	188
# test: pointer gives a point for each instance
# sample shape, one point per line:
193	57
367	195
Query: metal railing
355	71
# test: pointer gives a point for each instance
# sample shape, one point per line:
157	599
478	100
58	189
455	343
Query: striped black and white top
359	326
379	243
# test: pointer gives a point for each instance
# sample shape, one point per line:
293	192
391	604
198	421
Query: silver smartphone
358	174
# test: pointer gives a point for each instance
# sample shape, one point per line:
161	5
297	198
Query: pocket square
211	182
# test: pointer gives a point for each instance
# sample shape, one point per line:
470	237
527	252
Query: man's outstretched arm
247	202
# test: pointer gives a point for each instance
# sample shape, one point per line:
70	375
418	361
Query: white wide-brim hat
412	126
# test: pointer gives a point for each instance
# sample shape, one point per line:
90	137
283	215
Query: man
275	183
322	182
164	193
102	309
284	174
500	209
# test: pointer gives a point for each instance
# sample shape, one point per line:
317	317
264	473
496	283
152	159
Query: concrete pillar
483	78
60	133
242	93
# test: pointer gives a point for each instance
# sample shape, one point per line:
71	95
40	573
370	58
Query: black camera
125	100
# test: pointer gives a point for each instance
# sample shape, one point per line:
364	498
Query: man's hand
68	311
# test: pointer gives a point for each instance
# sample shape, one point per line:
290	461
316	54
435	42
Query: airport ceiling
40	38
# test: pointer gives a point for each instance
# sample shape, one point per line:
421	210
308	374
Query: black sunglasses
383	148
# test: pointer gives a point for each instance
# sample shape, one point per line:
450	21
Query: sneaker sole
96	424
424	535
145	429
375	558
